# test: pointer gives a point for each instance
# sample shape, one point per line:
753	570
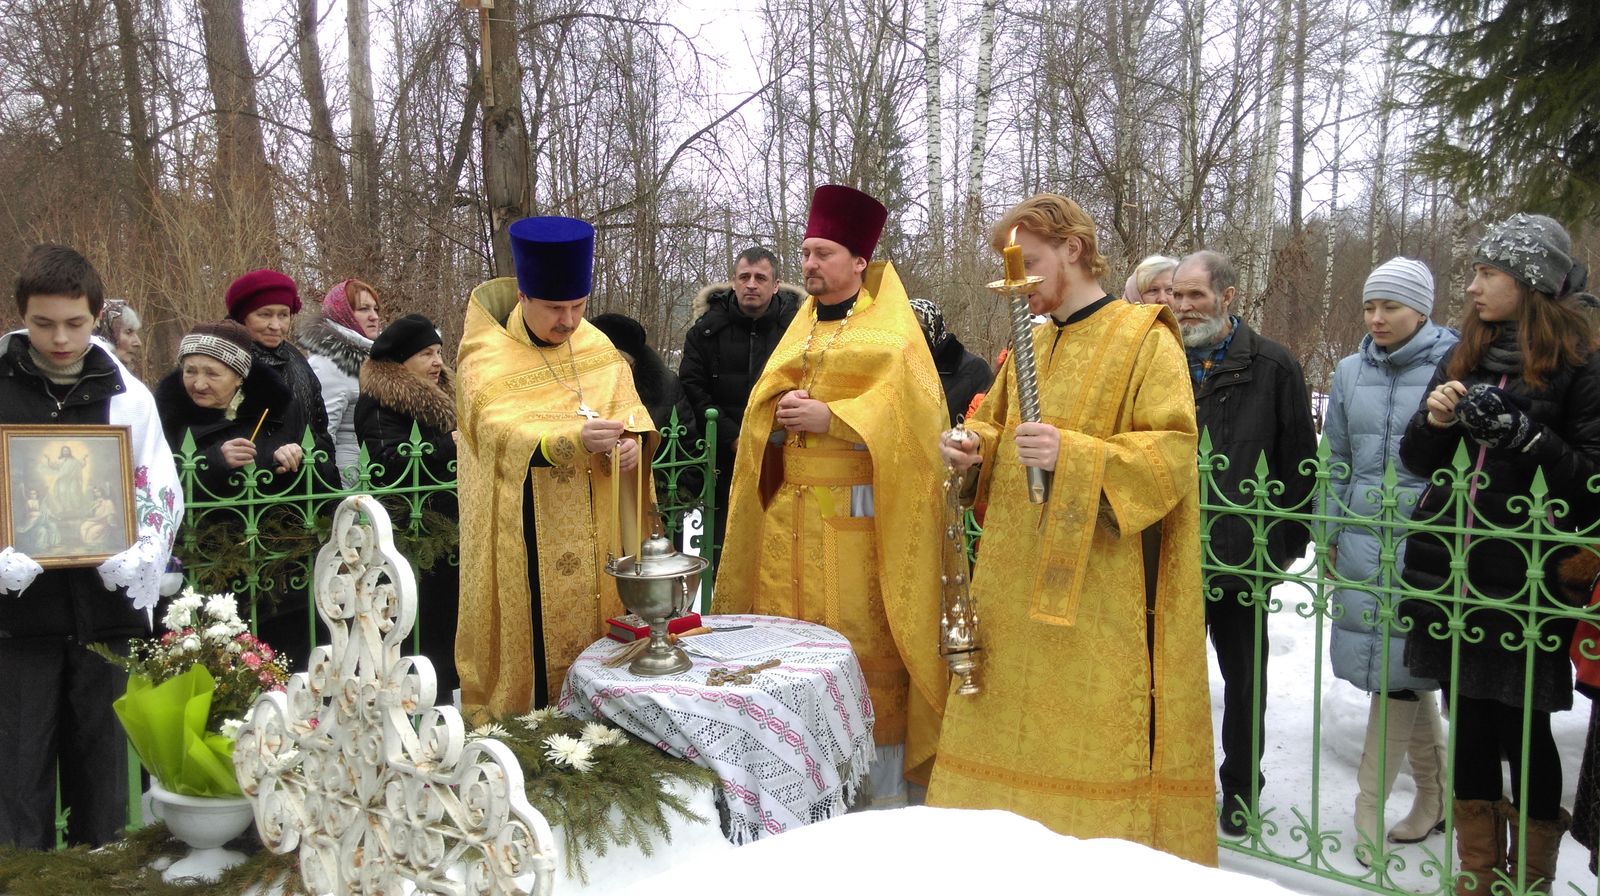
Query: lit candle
644	490
1013	256
616	503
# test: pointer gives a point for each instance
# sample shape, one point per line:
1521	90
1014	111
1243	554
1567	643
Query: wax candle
644	491
1013	257
616	503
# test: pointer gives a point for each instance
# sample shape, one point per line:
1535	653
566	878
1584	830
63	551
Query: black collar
1084	312
836	312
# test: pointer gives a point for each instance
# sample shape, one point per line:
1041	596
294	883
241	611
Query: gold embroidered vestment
1063	730
874	579
509	397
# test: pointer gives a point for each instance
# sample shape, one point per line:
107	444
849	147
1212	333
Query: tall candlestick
1013	257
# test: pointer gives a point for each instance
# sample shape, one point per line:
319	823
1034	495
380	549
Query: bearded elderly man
1250	394
1092	718
543	398
836	512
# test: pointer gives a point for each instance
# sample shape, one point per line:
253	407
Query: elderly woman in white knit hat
1375	393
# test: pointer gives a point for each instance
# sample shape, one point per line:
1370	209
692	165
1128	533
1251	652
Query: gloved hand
17	571
138	569
1492	418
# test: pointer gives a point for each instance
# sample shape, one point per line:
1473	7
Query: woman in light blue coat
1375	393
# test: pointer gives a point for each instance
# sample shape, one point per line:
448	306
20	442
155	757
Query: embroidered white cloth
17	571
790	747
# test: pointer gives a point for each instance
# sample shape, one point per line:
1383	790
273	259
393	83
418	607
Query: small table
791	747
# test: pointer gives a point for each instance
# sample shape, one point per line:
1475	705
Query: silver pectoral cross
586	412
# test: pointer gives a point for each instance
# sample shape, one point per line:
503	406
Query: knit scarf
60	374
1504	354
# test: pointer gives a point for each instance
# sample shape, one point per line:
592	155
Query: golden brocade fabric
874	579
1062	732
509	399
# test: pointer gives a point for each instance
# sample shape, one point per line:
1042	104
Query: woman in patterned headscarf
963	375
1519	393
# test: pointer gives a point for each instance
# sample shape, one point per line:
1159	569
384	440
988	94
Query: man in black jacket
738	325
55	700
1250	394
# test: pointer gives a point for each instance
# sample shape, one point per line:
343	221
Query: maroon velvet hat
847	216
259	289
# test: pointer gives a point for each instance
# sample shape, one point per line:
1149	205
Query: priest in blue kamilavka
542	399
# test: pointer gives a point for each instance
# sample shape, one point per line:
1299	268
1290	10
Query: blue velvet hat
554	257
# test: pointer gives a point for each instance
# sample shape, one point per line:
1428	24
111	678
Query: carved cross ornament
354	765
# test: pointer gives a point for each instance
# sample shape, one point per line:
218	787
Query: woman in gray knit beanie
1520	397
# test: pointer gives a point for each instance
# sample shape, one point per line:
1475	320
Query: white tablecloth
790	748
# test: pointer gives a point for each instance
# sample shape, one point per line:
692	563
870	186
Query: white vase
205	823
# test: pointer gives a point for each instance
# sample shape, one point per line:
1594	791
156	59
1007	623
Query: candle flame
1014	234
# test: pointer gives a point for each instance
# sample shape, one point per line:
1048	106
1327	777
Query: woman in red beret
264	301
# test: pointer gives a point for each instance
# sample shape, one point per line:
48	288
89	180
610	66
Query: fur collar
264	390
392	386
318	335
1580	577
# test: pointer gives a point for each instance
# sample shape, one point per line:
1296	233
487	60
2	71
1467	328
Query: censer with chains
958	615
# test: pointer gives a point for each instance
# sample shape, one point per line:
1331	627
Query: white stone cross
355	766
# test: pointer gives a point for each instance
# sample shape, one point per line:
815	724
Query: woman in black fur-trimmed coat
404	383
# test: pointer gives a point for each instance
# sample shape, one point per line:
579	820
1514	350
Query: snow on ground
1292	692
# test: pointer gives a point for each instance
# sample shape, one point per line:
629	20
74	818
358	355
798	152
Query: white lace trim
138	569
17	571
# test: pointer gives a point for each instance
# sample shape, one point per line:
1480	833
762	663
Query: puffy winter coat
63	602
1375	392
1566	411
335	354
724	353
1255	401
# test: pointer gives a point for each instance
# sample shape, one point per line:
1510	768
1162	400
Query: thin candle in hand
257	430
616	502
639	499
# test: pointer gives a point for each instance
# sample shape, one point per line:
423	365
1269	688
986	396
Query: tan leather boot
1425	748
1402	717
1542	840
1480	844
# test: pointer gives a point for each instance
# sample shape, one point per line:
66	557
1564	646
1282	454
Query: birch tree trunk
1391	59
932	70
980	117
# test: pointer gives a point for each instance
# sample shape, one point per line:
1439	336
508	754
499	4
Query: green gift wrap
167	725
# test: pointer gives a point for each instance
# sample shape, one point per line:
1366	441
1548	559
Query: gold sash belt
826	466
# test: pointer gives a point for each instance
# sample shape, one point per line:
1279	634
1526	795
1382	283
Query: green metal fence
262	537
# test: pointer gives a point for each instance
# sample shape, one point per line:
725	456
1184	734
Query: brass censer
958	615
657	585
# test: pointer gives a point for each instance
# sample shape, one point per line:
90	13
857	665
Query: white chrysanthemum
566	750
189	644
222	608
220	632
542	715
181	614
231	728
493	729
600	735
531	719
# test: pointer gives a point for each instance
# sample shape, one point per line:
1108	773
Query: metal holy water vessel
657	586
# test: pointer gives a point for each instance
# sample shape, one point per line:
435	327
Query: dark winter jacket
63	602
295	371
1374	394
962	374
724	353
263	390
1254	403
392	401
1567	411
